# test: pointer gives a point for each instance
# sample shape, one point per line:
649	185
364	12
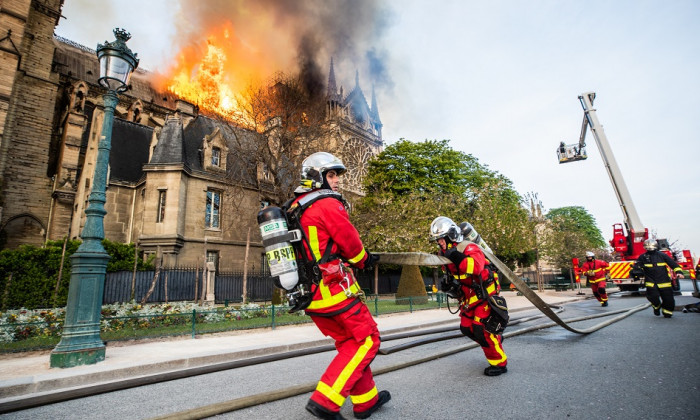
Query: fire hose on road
267	397
240	403
418	259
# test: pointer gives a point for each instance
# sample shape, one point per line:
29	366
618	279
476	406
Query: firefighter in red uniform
655	265
472	283
337	306
595	271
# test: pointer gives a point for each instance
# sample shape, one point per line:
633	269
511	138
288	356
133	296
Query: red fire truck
627	241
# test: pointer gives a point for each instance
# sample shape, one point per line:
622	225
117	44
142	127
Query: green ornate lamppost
80	342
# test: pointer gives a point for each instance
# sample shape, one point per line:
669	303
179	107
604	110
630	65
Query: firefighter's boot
382	398
495	370
657	311
321	412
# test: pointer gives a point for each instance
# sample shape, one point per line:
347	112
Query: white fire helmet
590	254
444	227
650	245
314	167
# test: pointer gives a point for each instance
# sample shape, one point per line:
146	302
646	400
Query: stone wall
25	187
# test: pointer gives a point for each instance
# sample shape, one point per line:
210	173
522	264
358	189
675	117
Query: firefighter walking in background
595	271
337	306
469	280
655	266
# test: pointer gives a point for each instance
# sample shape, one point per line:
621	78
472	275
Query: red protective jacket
598	269
326	219
471	272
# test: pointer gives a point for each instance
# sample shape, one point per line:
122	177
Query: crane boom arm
634	224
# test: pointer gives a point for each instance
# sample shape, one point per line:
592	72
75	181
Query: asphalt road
642	367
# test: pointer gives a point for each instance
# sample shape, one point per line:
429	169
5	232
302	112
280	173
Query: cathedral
170	187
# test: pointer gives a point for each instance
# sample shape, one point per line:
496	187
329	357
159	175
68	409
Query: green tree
409	184
569	232
430	166
500	217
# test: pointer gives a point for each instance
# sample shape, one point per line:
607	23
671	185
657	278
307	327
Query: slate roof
80	62
169	149
130	148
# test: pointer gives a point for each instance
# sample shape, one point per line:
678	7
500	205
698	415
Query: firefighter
469	280
656	266
596	273
337	307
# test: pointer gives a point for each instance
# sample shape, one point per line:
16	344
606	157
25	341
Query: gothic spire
332	88
375	110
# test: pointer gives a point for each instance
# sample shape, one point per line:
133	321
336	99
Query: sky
499	79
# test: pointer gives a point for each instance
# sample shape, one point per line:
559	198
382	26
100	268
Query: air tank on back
470	234
278	250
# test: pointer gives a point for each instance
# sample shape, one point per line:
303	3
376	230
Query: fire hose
240	403
413	258
267	397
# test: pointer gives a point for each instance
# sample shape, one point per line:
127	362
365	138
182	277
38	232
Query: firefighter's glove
445	284
371	261
455	289
455	256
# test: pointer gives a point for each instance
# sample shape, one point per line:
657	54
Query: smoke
288	35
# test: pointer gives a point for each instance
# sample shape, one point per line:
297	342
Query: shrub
29	274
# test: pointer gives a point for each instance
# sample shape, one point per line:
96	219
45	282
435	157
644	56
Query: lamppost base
66	359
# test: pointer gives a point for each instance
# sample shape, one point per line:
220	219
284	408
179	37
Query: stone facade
27	107
169	187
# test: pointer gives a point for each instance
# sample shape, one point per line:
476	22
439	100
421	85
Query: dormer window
215	156
214	151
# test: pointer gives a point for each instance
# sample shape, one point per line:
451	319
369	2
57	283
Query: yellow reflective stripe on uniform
330	393
648	265
677	269
477	319
499	349
461	276
325	290
352	366
330	300
470	265
661	264
473	299
666	311
663	285
648	284
367	396
313	242
491	288
358	257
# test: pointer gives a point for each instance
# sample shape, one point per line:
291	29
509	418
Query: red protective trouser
598	290
472	327
357	340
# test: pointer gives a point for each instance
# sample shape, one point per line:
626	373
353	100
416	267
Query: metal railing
38	335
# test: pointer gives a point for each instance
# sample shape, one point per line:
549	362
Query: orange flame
213	75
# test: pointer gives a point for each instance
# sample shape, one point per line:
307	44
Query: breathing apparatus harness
311	271
498	319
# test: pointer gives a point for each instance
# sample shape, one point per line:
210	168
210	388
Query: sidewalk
29	373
